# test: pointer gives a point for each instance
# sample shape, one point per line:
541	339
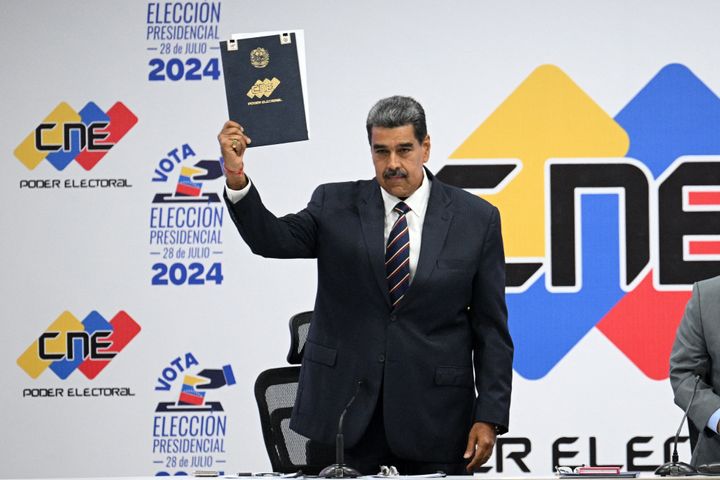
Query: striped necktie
397	256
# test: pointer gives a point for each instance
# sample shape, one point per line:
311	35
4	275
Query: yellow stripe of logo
30	360
26	151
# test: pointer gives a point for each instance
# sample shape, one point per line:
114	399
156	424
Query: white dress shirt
713	422
418	203
236	195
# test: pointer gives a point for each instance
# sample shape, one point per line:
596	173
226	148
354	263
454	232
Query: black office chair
275	392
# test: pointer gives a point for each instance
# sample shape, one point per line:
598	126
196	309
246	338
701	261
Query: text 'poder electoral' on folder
265	85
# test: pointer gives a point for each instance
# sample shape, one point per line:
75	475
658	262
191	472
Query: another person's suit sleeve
690	355
493	352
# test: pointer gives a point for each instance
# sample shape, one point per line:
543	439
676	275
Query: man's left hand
481	441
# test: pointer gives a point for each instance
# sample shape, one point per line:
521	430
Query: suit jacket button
381	358
393	318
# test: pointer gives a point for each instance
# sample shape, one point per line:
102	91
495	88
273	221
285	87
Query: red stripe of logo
708	247
704	198
124	330
121	121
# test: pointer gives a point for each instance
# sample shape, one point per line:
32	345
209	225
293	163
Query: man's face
398	159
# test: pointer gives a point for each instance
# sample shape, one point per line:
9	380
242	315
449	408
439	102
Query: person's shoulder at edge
712	283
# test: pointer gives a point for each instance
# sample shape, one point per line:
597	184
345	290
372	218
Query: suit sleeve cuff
236	195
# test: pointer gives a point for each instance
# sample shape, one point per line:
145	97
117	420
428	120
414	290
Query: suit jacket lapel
372	218
435	229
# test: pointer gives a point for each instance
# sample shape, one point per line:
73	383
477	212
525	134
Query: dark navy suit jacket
445	341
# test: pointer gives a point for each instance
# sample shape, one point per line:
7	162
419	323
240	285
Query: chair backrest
275	392
299	327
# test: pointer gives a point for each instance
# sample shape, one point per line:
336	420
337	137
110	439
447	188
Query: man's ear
426	148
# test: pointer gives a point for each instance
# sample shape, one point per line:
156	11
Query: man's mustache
395	173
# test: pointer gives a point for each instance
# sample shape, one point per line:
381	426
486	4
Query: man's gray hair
395	112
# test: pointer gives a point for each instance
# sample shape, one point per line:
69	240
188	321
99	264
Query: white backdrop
81	250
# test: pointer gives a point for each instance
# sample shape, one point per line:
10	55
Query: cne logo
263	88
607	220
66	135
69	344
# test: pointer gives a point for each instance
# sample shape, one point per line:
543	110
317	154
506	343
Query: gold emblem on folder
259	58
263	88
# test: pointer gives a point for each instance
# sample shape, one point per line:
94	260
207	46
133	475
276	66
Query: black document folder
264	90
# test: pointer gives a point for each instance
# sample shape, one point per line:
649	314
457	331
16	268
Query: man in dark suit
410	303
696	349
